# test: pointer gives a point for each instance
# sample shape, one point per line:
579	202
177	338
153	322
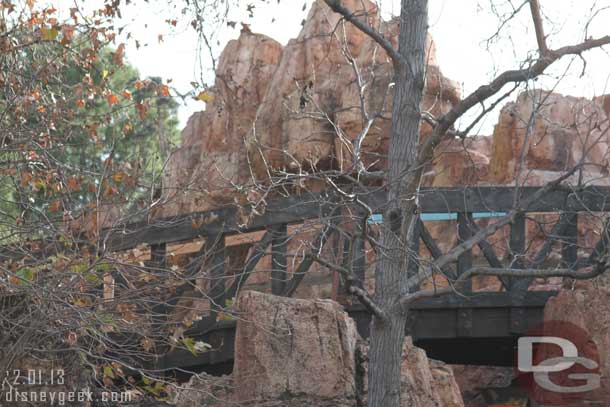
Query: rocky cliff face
292	107
212	155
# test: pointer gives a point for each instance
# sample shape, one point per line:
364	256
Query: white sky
459	27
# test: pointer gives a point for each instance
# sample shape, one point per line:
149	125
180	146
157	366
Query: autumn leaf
127	94
163	90
138	85
119	176
49	34
204	97
54	206
80	103
68	33
73	184
112	99
147	344
109	191
142	109
117	56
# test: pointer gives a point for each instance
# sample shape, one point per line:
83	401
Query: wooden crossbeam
296	209
435	251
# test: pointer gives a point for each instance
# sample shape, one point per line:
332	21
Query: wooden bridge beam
465	232
279	263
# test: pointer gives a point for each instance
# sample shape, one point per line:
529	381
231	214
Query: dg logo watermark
558	364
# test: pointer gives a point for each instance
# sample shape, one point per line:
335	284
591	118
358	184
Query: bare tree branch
337	7
360	293
539	26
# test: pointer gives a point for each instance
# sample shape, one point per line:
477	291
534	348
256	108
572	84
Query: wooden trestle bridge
473	328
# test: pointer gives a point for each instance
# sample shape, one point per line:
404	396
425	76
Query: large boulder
294	349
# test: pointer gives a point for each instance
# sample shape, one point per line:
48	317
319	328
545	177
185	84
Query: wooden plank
307	206
485	300
295	209
465	260
279	263
435	251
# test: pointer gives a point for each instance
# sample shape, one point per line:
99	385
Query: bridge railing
463	204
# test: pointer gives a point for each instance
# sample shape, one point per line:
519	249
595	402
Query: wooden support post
517	249
518	286
215	269
359	259
569	244
158	255
279	263
465	260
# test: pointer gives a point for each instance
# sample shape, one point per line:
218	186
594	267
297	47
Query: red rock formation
212	155
291	107
286	347
543	134
585	304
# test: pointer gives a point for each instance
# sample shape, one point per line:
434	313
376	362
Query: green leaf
108	372
190	345
25	273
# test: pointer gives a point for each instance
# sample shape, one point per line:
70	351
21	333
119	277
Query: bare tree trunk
387	336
